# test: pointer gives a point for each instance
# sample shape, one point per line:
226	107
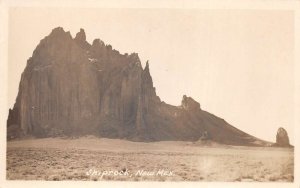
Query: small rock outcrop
189	103
282	138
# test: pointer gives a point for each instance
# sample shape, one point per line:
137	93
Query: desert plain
101	159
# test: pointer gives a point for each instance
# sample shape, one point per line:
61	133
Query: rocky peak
147	79
70	87
56	34
282	138
146	69
58	31
135	57
80	36
188	103
80	39
98	49
53	45
98	43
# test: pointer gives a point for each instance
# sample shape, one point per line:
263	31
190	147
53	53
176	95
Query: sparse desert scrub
73	159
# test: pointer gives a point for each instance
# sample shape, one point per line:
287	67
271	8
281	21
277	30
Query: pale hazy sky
238	64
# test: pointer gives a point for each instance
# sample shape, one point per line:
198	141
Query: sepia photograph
110	94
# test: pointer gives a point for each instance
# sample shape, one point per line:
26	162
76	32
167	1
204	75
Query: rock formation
70	87
282	138
189	104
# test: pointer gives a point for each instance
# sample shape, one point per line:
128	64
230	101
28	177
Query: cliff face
70	87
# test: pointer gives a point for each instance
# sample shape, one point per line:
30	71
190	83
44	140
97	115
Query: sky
238	64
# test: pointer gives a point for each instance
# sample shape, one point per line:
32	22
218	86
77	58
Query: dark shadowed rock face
282	138
70	87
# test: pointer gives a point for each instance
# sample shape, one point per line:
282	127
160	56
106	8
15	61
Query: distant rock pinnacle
282	138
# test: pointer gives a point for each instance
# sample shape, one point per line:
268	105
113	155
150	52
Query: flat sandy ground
90	158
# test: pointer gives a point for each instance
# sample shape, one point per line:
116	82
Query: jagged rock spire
146	69
146	75
80	36
80	39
